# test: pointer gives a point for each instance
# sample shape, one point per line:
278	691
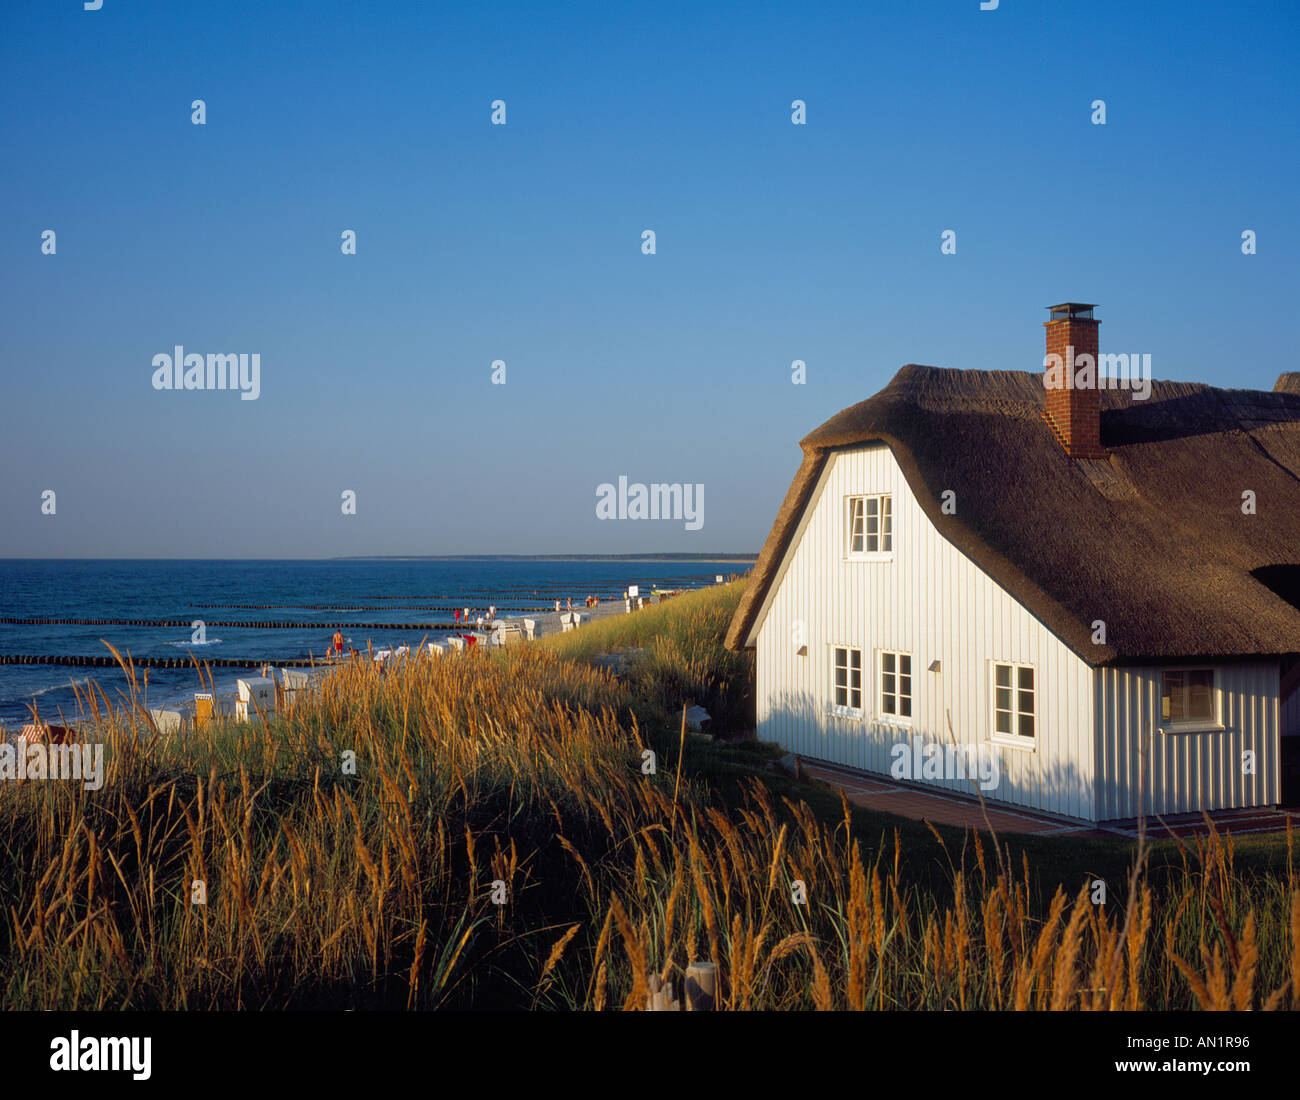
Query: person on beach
455	614
492	612
557	605
569	604
338	643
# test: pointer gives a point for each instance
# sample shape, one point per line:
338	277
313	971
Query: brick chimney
1073	413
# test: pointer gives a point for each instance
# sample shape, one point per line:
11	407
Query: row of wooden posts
701	990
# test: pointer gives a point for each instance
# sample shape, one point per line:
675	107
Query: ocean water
393	592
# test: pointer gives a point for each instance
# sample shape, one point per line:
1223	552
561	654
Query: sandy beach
548	622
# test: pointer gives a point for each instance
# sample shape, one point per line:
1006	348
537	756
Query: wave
187	643
56	687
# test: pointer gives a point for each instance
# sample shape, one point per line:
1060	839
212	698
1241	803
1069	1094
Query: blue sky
522	243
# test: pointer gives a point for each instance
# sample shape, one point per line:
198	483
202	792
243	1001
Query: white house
1100	591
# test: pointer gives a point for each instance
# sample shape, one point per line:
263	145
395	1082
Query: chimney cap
1070	311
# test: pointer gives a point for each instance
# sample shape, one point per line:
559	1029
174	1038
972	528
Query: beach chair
256	696
205	708
167	721
34	732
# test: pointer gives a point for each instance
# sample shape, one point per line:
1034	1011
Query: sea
227	597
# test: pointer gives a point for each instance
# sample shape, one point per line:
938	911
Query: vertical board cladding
1193	770
928	600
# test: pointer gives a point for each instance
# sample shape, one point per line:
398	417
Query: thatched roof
1152	541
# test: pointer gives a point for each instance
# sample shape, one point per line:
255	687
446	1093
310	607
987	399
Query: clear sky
523	243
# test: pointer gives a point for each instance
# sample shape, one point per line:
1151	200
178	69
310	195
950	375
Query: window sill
1020	744
892	720
1192	727
845	712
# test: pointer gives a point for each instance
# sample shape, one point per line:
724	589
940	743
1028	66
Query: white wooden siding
935	603
1187	772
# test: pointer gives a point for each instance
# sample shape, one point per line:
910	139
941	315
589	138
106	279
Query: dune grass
352	853
676	655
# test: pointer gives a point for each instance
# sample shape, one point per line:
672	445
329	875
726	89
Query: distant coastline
739	558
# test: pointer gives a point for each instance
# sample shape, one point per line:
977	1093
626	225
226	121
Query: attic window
870	527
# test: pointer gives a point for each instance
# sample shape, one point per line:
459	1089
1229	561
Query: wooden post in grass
659	997
701	987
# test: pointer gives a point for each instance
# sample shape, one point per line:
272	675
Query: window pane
873	508
855	677
1171	696
1025	702
887	683
1003	698
905	664
1026	679
1026	725
887	662
1200	694
1003	722
1003	675
905	707
905	685
855	658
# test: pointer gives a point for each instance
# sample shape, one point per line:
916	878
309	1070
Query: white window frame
1212	724
843	710
887	529
882	714
1014	740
